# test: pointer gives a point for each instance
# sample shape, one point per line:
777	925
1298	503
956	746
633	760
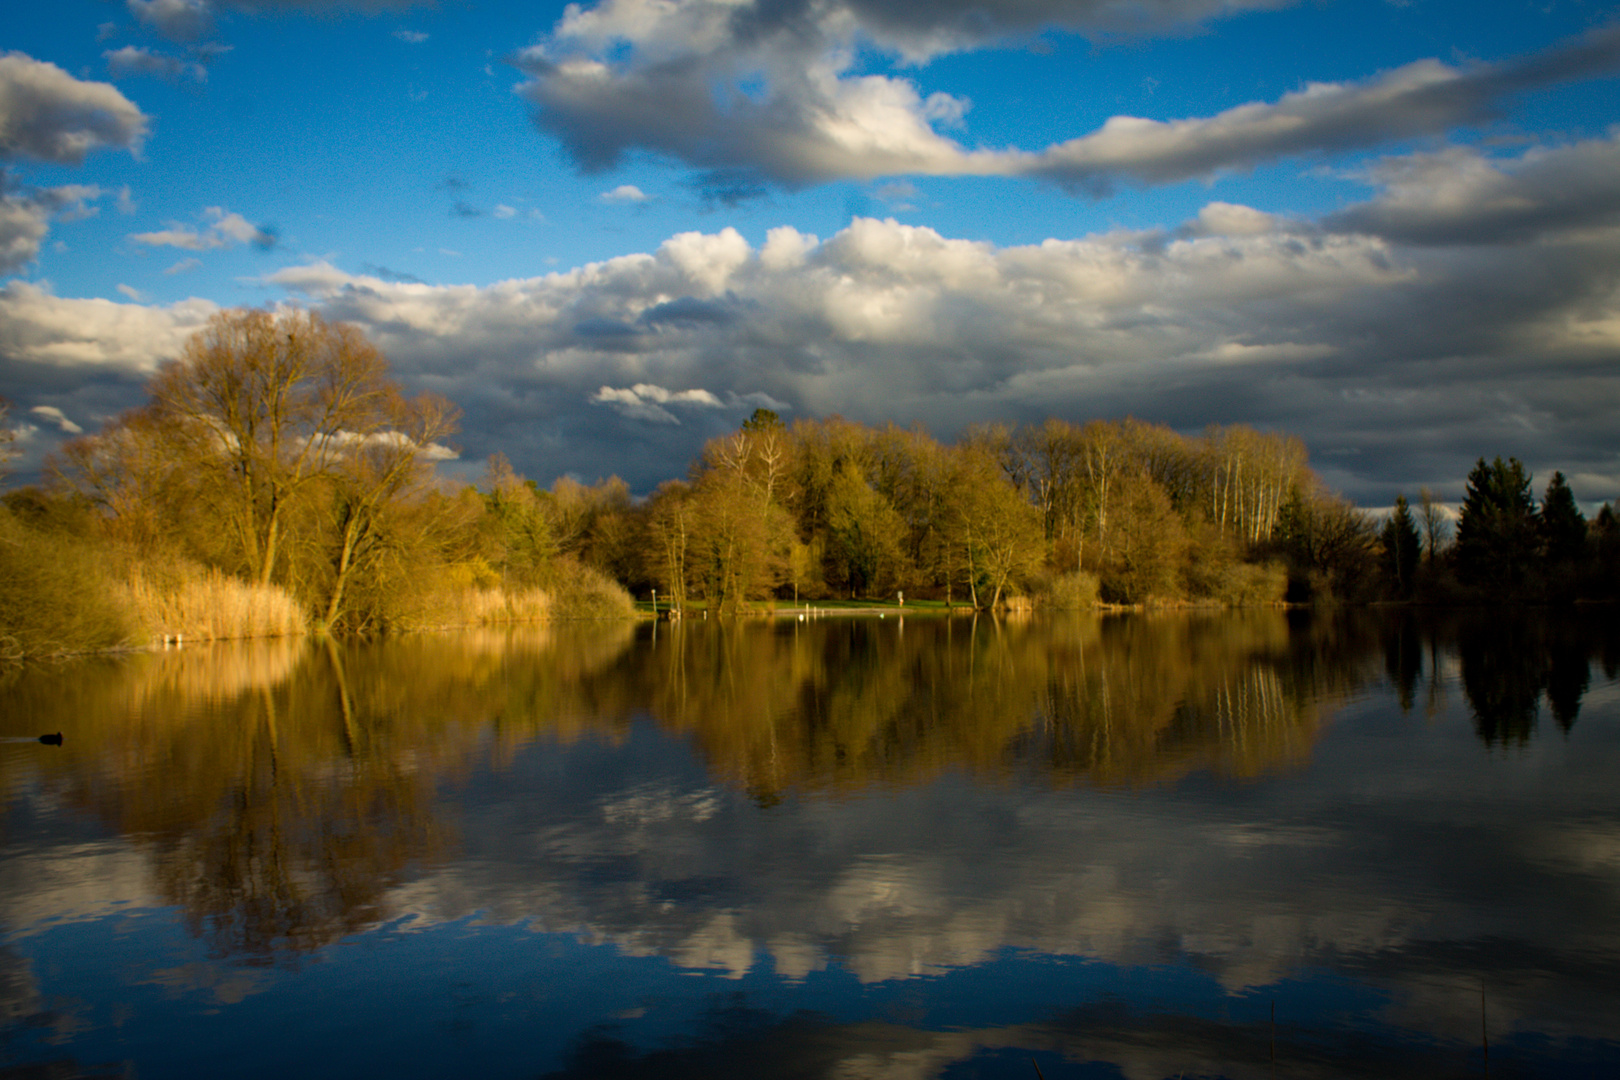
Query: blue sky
610	231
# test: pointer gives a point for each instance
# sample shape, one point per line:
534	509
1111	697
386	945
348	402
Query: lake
1244	844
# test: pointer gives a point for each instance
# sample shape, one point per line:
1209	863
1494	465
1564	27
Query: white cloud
410	37
131	292
54	416
51	332
1354	337
26	213
48	115
751	96
225	229
177	20
624	193
183	266
645	401
503	211
136	60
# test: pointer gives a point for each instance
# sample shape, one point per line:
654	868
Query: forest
278	481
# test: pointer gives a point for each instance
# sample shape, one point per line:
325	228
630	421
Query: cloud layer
1468	309
770	93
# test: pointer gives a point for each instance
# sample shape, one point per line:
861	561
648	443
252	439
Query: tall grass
570	591
487	607
201	604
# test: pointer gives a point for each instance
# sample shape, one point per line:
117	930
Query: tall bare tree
269	402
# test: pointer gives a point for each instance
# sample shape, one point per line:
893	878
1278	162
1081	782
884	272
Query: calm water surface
839	848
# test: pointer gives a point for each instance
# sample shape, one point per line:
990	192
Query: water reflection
1508	664
790	801
281	791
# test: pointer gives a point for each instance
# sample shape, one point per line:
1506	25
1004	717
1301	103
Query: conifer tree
1563	527
1403	545
1497	532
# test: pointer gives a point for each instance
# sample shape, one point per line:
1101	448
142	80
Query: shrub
584	592
55	596
1074	591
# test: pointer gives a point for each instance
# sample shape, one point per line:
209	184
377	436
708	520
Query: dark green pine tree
1403	546
1563	527
1498	537
1605	537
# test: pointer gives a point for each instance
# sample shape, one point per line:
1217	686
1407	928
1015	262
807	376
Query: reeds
193	603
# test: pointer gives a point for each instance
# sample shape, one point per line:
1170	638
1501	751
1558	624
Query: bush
1241	584
584	592
55	596
1075	591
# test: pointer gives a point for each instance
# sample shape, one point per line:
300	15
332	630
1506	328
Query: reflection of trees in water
282	789
1509	663
1117	700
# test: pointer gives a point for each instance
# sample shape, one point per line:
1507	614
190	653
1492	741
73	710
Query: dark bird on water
52	740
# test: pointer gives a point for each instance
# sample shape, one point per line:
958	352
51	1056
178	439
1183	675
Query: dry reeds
196	604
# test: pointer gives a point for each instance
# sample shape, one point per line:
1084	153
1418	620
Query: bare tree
1436	524
373	473
271	401
8	437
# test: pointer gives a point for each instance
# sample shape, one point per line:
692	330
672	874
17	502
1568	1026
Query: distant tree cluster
277	465
1507	548
832	508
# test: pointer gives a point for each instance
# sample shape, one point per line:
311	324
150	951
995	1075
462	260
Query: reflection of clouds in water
1403	860
70	883
224	984
651	804
19	989
1592	849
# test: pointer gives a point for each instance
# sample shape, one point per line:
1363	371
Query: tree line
277	457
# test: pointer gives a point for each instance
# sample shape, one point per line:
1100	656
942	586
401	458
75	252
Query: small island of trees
278	480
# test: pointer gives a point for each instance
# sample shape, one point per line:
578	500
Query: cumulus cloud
177	20
48	115
26	213
1386	334
753	93
225	229
1351	338
41	330
624	193
1461	196
135	60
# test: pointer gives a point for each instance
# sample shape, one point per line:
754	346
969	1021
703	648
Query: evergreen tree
1403	545
1563	527
1498	537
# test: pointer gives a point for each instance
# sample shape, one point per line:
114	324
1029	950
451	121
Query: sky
610	230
